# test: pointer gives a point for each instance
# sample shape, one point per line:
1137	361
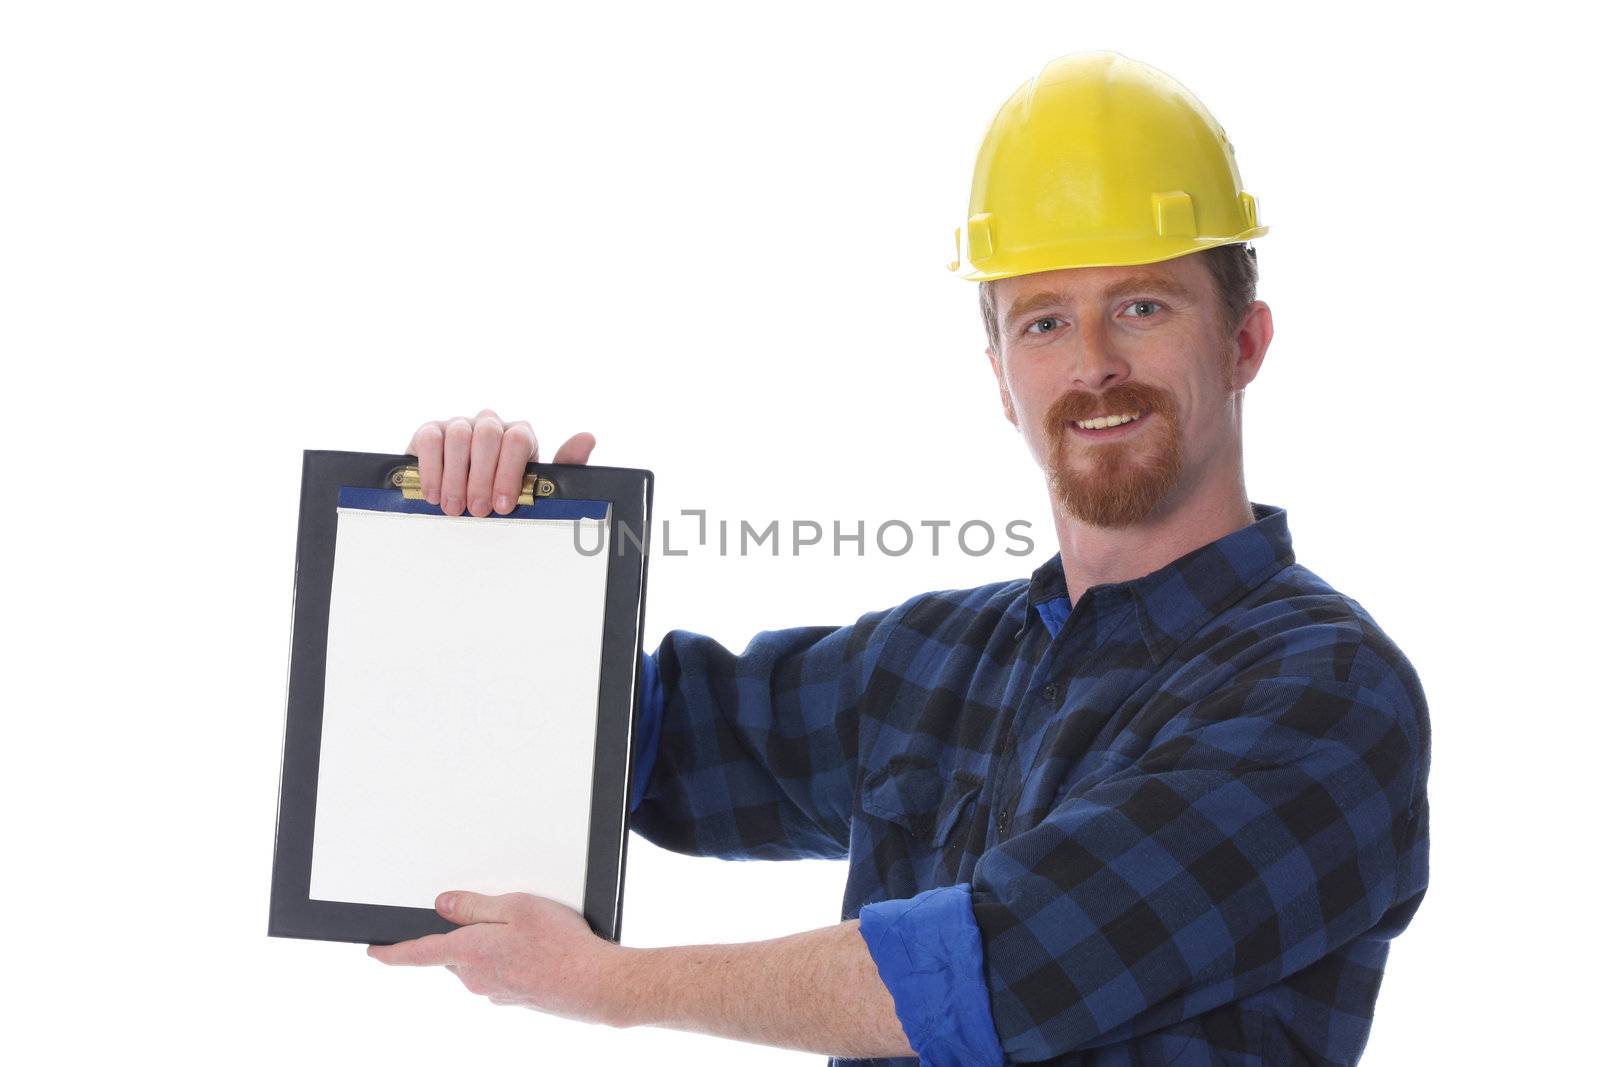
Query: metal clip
409	480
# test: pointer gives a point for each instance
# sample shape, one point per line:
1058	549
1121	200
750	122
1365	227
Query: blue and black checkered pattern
1177	822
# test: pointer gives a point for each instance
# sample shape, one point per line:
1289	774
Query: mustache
1124	397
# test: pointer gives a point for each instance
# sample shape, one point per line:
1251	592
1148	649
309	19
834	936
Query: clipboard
463	695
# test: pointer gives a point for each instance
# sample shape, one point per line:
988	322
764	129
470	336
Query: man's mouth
1105	426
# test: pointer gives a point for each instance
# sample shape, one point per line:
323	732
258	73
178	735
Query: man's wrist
627	988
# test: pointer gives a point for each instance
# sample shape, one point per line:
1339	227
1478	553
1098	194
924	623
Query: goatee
1117	483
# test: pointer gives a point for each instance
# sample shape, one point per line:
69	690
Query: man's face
1112	342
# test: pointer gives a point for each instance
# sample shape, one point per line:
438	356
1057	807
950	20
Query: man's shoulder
1297	624
1313	665
970	617
944	611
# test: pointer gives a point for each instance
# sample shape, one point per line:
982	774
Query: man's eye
1043	325
1143	309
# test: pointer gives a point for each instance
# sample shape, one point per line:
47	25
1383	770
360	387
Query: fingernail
452	504
447	903
480	506
502	503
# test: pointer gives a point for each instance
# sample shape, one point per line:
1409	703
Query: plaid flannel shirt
1177	822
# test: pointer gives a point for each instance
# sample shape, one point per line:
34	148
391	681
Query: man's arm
817	992
756	753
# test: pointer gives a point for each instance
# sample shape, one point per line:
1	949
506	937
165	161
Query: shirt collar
1174	601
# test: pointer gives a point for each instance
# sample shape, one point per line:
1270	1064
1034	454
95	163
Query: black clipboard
331	481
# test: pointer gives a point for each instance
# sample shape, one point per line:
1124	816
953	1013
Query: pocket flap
919	796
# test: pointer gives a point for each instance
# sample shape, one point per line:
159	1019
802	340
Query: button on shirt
1175	822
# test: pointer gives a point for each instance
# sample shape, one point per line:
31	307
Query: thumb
463	908
576	450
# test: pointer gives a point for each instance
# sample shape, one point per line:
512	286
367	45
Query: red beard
1114	483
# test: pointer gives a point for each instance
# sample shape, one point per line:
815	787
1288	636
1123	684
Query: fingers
577	449
486	433
476	466
429	951
427	444
464	908
457	454
518	447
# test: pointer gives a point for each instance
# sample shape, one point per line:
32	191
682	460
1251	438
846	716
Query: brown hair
1233	267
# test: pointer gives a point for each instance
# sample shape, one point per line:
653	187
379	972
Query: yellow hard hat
1101	161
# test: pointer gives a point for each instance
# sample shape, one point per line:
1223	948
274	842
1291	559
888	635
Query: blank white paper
458	720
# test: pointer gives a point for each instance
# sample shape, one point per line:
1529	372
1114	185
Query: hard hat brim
1099	253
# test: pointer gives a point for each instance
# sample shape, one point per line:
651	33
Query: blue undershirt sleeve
930	956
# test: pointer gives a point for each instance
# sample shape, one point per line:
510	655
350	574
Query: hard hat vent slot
1247	206
980	237
1174	214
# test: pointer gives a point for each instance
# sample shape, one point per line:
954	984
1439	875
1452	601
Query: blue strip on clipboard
394	500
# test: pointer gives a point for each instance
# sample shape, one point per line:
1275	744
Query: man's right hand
476	465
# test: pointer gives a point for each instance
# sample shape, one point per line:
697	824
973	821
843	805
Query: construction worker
1164	801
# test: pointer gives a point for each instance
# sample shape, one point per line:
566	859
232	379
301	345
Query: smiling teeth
1104	421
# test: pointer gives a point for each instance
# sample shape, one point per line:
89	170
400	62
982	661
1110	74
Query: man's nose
1096	363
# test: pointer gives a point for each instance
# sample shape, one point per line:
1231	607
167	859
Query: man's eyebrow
1027	306
1144	282
1150	282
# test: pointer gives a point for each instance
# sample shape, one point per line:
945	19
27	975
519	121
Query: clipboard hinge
409	481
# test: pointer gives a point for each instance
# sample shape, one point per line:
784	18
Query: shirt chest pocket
928	812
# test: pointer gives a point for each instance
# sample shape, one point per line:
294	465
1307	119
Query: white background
715	237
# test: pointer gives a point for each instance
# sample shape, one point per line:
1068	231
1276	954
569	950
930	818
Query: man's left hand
524	950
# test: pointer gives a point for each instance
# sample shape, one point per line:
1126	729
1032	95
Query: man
1164	802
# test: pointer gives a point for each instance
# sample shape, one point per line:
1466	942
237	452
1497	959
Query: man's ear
1000	379
1250	344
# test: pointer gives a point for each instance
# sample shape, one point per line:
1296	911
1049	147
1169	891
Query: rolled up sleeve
930	956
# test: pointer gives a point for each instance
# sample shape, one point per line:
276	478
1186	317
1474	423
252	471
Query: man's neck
1094	555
